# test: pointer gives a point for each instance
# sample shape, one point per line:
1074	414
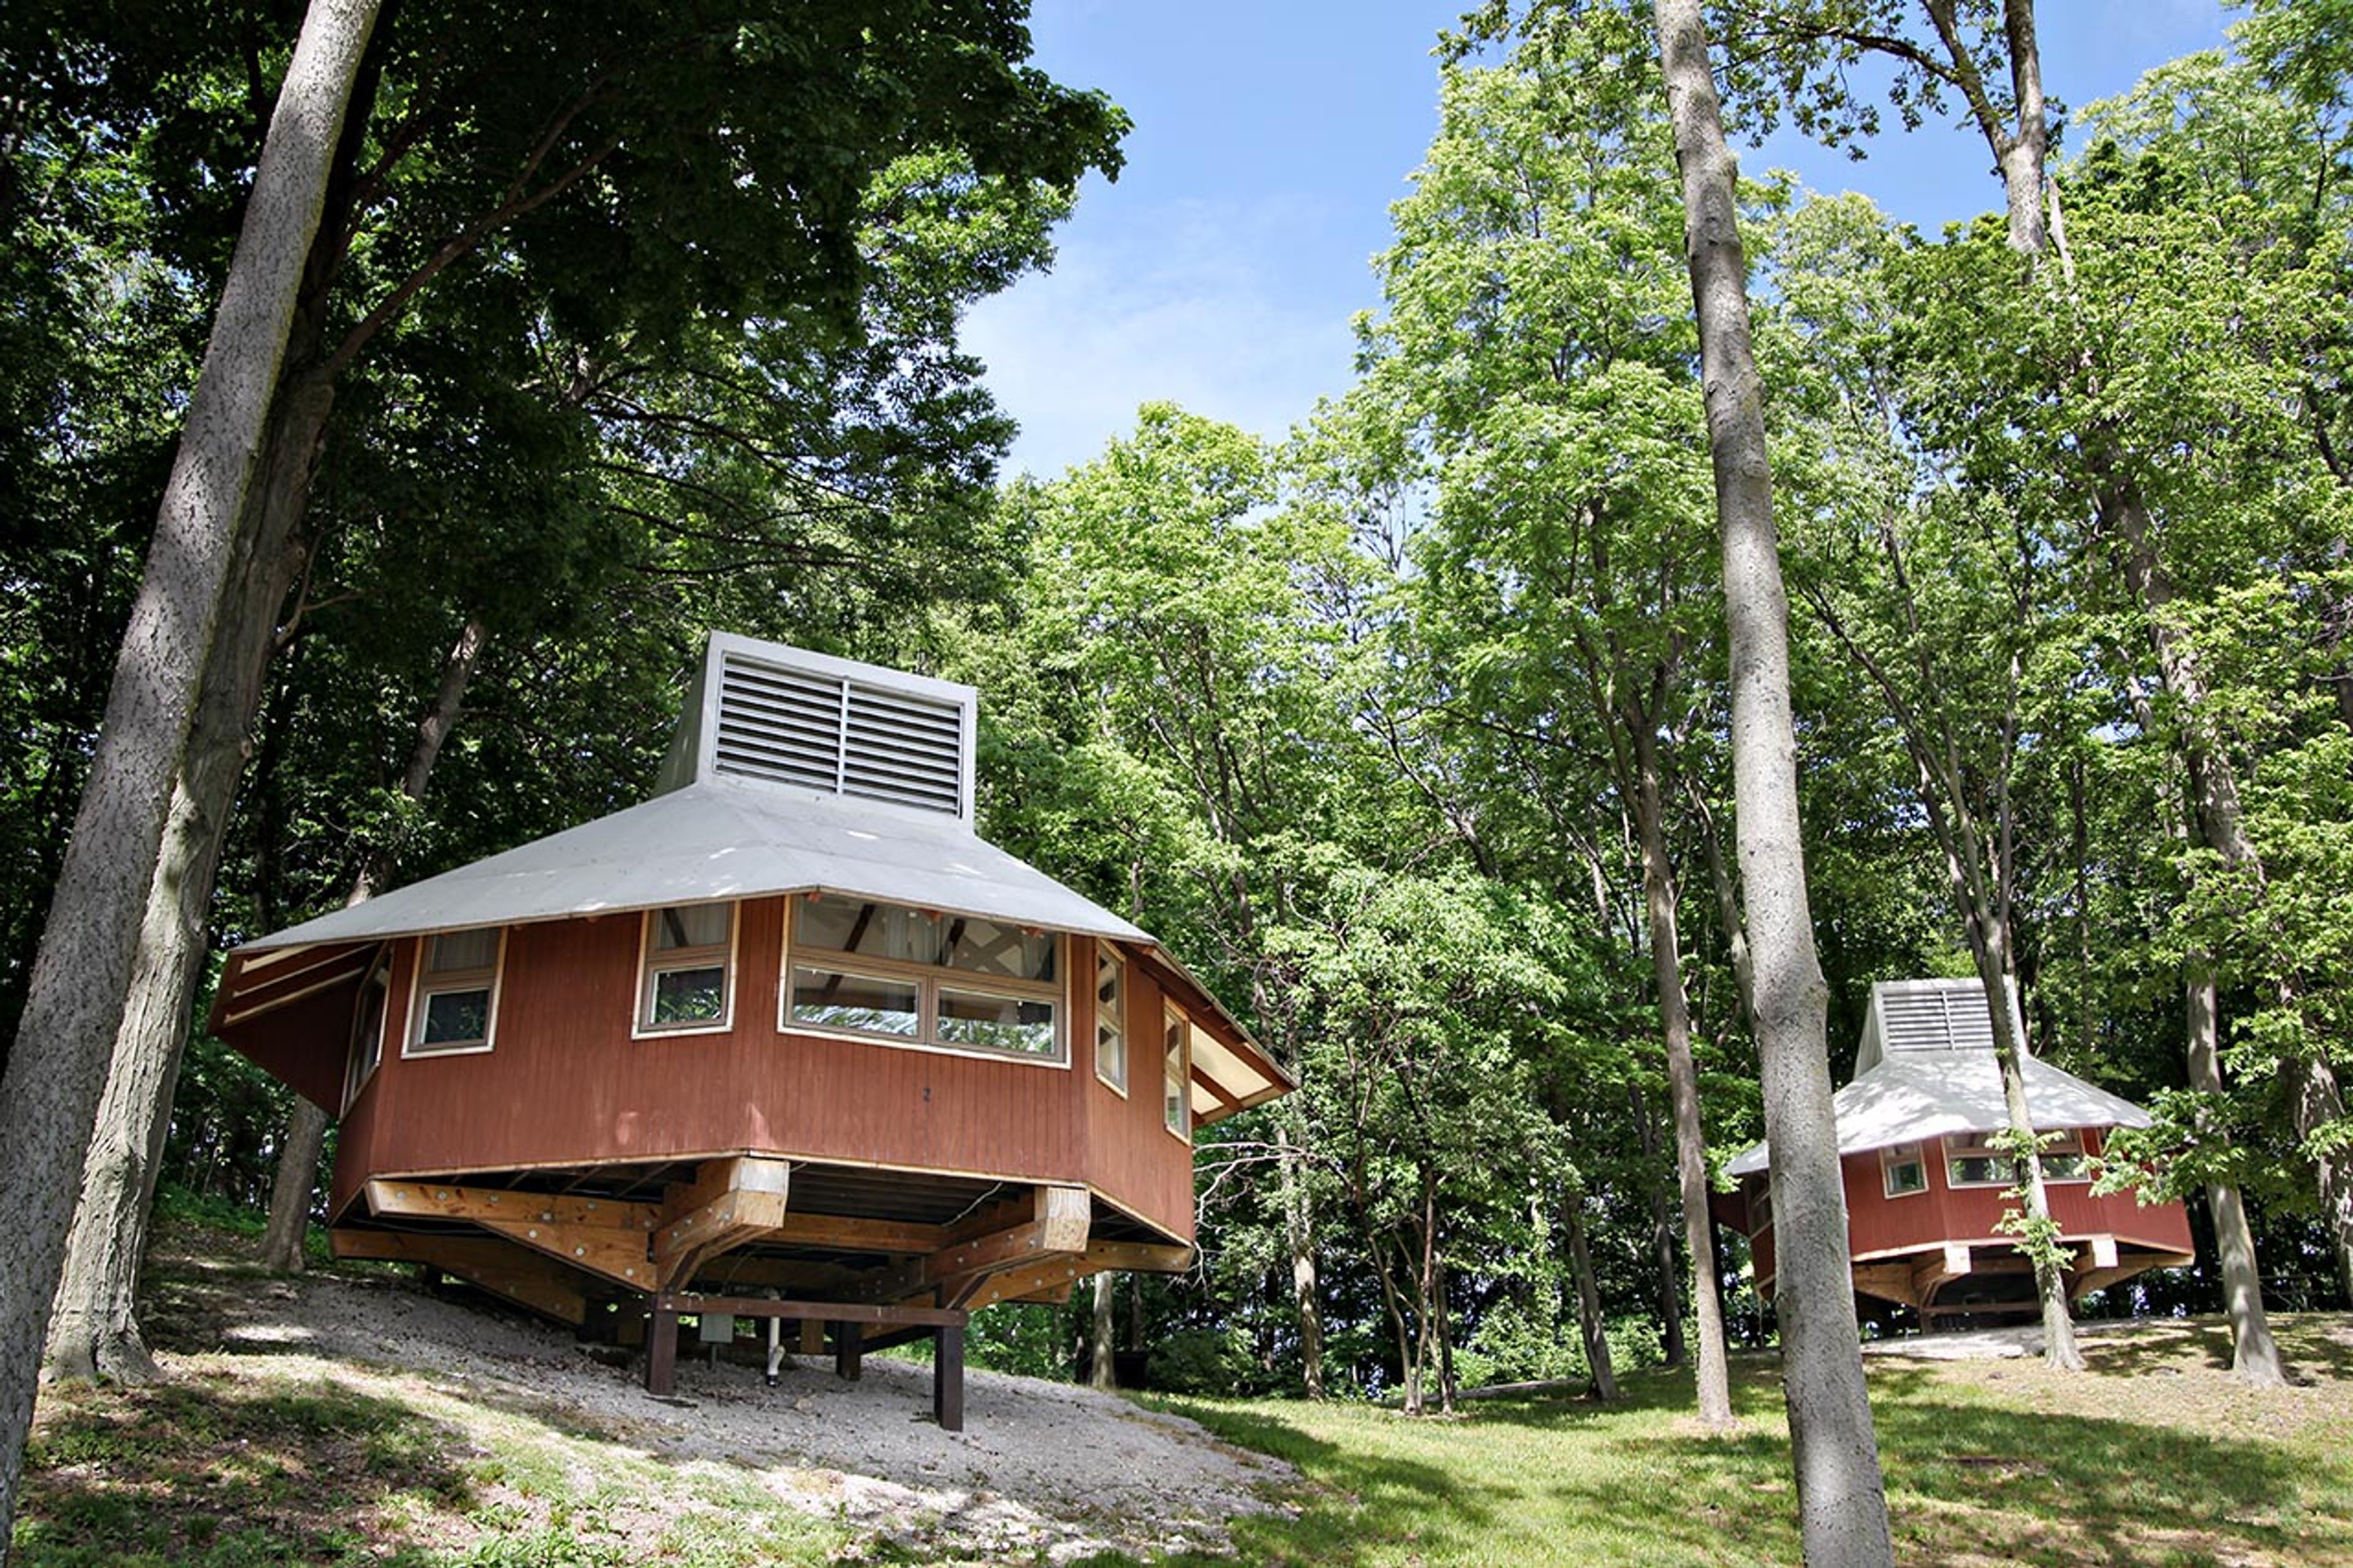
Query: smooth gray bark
2254	1355
1101	1371
1592	1324
1299	1228
1715	1386
90	946
1842	1501
291	1188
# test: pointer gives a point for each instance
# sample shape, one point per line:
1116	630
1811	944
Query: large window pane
455	1017
695	925
1111	1020
987	947
869	929
829	999
998	1023
690	995
455	952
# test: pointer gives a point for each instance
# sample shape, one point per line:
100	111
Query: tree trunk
1715	1386
1667	1265
1407	1367
2317	1104
2255	1357
1591	1324
82	976
1299	1228
289	1192
2042	1239
1102	1370
1841	1502
306	1124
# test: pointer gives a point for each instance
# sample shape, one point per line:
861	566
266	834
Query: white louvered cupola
779	715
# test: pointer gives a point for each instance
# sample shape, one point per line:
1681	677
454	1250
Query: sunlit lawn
2153	1458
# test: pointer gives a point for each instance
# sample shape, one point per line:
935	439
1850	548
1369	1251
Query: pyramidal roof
1926	1069
792	772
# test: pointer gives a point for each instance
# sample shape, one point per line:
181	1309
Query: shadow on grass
214	1471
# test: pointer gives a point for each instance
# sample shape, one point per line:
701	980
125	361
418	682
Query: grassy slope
2153	1457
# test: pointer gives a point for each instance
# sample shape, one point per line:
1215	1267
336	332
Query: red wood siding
1878	1225
1137	1162
566	1084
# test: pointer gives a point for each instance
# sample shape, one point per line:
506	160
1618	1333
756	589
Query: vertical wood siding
566	1084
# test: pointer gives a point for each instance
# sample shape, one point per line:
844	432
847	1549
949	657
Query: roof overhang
1934	1094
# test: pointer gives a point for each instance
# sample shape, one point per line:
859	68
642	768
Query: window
367	1029
956	983
684	981
1760	1206
1972	1161
1904	1170
1111	1017
2064	1159
457	993
1175	1110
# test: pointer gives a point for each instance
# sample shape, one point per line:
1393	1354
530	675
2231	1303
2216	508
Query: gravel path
1040	1468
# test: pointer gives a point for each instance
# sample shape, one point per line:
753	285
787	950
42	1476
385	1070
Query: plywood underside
558	1241
1964	1280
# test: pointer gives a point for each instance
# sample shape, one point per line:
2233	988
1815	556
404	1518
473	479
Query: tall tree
75	1003
1842	1501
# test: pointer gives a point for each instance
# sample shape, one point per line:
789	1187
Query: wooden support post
947	1377
661	1351
846	1348
812	1339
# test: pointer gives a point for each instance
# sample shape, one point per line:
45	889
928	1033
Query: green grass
2153	1457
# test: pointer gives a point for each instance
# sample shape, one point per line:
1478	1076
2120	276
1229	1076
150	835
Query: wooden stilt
812	1341
947	1377
661	1351
848	1346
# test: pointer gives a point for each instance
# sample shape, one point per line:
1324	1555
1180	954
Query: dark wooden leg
947	1378
661	1351
849	1343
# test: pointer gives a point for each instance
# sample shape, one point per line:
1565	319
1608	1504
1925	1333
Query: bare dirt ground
1041	1469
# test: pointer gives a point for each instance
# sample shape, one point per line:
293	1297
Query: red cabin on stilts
1927	1191
788	1040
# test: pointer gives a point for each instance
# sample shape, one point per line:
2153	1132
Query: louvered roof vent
1911	1015
779	715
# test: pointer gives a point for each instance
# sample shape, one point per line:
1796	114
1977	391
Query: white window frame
1892	1158
927	979
421	987
1176	1022
1108	955
357	1078
641	1025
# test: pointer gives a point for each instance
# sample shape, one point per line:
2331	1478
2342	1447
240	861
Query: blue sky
1223	268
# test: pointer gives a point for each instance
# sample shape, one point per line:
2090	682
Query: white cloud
1184	301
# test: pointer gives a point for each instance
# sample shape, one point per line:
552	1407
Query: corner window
1760	1206
367	1029
457	1004
1175	1110
1970	1161
2064	1159
1111	1017
1905	1171
685	980
956	983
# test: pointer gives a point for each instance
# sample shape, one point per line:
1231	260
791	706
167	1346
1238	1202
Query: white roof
722	840
1928	1094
